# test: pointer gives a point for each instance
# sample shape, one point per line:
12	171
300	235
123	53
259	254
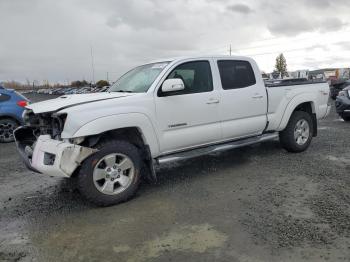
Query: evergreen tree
281	65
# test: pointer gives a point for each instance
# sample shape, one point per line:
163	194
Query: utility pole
107	77
230	50
92	66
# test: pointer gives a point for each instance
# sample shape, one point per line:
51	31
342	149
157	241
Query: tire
345	118
98	173
295	138
7	126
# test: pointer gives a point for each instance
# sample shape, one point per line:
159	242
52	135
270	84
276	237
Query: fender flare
293	104
118	121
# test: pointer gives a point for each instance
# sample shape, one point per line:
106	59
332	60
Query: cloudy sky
51	39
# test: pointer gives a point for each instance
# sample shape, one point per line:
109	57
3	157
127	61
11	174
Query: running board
215	148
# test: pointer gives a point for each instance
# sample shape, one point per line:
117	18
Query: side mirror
174	84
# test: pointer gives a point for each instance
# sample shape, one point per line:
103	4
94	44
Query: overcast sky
44	39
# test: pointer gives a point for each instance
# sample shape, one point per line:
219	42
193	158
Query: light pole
92	66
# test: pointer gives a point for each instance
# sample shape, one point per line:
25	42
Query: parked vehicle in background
12	105
342	103
337	87
162	112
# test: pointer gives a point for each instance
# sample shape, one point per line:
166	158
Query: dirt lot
258	203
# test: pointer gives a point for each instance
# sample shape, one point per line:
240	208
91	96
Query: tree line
45	84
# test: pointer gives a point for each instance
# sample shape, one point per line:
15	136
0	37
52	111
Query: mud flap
314	123
149	165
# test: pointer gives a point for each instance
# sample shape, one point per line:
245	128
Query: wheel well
130	134
9	117
309	108
134	136
306	107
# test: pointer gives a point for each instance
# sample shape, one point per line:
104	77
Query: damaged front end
42	149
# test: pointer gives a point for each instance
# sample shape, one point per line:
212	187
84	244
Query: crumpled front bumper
49	156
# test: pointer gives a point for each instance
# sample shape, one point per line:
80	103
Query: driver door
189	118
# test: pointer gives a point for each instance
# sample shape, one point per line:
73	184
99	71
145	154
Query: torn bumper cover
48	156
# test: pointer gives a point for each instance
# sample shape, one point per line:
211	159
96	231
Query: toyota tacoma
161	112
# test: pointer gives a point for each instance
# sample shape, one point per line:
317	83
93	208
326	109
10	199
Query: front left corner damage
73	156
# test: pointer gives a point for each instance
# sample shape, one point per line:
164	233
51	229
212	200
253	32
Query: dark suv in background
337	87
342	103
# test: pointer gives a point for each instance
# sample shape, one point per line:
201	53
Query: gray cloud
294	24
331	24
344	45
317	46
49	39
240	8
142	14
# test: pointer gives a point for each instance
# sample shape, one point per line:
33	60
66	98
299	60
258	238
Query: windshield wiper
123	91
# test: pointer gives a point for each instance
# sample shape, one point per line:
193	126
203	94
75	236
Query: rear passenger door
243	104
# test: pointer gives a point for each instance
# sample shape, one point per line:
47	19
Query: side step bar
215	148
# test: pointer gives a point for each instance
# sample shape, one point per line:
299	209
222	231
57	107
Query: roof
181	58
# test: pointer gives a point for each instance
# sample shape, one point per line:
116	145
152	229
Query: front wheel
297	135
111	175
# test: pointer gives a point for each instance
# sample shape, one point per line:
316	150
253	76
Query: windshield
139	79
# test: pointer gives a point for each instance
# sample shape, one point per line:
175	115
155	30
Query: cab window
196	76
236	74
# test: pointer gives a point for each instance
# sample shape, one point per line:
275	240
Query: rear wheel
7	126
297	135
112	174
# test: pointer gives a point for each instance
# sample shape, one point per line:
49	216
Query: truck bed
286	94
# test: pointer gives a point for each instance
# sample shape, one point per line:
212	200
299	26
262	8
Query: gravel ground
257	203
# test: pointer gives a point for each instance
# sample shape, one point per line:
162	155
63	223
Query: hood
72	100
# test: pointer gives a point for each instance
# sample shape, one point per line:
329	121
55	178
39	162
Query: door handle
213	101
257	96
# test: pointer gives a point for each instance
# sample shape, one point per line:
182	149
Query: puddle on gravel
339	160
196	238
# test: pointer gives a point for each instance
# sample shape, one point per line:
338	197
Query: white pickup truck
165	111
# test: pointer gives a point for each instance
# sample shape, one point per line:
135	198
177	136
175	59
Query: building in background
330	74
299	74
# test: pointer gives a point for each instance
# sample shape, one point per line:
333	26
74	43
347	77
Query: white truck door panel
187	119
243	104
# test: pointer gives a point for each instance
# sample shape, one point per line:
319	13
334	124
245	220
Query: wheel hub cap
301	132
113	174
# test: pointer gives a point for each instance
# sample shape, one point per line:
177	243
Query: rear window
21	96
236	74
4	97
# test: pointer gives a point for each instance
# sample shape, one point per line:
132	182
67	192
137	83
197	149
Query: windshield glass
139	79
